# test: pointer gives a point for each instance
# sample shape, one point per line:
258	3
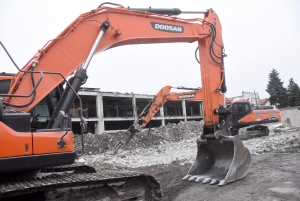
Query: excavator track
76	167
253	131
59	181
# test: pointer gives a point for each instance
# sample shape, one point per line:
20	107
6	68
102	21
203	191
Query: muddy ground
168	152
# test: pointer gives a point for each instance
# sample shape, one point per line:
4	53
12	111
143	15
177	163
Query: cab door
239	110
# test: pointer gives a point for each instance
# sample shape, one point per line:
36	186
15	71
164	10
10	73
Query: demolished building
112	111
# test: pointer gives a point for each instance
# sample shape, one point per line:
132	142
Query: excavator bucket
220	161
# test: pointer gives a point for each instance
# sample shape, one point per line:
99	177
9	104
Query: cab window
247	108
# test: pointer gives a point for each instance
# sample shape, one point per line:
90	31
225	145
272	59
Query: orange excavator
30	148
244	119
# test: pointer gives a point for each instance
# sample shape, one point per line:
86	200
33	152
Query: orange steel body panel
14	143
160	99
6	77
260	115
70	49
46	142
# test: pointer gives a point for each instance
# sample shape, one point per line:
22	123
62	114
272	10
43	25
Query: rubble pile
282	139
175	143
183	152
97	144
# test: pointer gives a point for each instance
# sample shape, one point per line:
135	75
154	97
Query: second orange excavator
245	119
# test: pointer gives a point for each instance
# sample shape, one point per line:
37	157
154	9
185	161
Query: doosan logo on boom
167	27
186	96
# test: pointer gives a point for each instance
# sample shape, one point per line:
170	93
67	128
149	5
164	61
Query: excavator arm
165	95
162	97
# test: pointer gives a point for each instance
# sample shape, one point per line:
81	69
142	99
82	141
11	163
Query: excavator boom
126	27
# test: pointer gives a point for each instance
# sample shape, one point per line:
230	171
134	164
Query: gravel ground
168	152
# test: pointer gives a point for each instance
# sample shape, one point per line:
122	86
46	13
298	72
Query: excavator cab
247	121
239	110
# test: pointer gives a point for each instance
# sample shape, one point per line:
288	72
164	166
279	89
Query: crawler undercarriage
54	182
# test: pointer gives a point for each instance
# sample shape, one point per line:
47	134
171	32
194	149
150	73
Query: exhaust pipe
220	161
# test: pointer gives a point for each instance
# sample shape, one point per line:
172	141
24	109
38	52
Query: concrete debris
97	144
175	143
81	160
282	138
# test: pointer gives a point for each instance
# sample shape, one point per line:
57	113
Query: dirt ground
170	151
273	176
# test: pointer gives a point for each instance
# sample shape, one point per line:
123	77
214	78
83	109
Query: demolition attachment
134	128
220	161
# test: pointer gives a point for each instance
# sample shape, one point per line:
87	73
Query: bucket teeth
199	179
206	180
193	178
222	183
186	177
214	181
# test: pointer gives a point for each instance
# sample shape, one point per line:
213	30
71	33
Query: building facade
113	111
253	97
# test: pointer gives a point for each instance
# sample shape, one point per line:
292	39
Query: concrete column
201	108
135	115
99	107
162	114
184	110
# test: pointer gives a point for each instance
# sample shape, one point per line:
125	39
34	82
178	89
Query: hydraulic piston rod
104	26
168	11
224	100
194	12
68	95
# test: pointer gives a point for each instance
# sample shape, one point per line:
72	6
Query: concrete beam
184	110
89	119
119	119
88	93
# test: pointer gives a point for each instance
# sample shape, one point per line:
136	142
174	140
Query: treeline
285	97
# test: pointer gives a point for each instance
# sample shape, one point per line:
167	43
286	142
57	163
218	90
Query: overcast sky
258	35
